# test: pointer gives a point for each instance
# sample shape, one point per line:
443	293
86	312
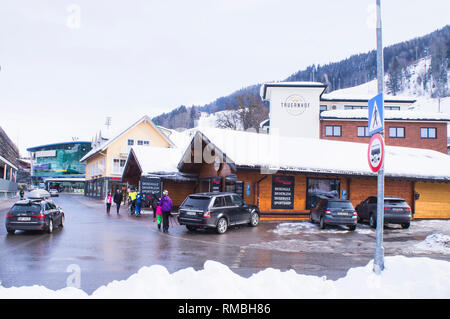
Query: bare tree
250	111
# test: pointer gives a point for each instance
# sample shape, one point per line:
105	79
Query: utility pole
378	264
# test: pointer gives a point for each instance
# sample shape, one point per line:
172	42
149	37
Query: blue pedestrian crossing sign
376	121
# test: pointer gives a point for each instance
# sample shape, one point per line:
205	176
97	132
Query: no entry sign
375	152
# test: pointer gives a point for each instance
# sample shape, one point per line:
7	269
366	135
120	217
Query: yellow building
106	161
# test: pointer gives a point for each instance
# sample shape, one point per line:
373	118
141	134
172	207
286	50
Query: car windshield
344	205
25	208
199	202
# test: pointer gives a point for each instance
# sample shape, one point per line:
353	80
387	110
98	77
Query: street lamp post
379	250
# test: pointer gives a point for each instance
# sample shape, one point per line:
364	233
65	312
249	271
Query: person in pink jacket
158	216
108	201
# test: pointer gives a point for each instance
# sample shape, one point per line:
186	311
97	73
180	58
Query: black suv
333	211
396	211
34	214
216	210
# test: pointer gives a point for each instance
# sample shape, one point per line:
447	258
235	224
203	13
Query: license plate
342	214
23	219
191	213
397	209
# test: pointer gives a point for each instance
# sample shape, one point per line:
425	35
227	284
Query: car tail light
327	212
207	214
408	208
39	216
10	216
355	213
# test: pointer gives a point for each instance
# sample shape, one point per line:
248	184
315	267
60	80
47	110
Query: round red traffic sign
375	152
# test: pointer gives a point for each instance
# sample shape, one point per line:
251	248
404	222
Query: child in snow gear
139	201
158	216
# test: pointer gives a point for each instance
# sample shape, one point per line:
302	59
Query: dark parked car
34	214
216	210
332	211
396	211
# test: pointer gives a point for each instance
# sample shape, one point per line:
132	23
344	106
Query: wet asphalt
112	247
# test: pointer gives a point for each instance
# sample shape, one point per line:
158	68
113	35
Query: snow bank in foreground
403	278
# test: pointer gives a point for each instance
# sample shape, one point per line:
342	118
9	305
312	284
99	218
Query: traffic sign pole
378	265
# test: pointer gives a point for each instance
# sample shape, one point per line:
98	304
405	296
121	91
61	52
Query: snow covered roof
264	94
253	150
363	92
157	159
388	115
106	144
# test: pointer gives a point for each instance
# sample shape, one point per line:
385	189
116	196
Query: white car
54	193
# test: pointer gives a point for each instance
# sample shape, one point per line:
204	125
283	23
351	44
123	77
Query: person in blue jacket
139	202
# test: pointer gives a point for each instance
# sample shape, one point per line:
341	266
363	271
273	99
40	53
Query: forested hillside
355	70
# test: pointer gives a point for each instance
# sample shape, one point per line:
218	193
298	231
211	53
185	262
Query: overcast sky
66	65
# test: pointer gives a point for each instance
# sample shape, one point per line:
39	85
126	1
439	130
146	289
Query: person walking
118	200
166	206
133	195
154	203
139	201
108	201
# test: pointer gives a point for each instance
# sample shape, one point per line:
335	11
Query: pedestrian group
161	207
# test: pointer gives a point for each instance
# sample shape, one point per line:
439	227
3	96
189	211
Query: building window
323	108
142	142
362	131
334	130
118	165
428	132
355	107
397	132
395	108
130	142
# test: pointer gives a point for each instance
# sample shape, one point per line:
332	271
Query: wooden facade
433	201
261	188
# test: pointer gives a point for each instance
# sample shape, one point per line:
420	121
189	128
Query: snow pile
436	243
402	278
286	229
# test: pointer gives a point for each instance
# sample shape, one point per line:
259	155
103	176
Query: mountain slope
427	56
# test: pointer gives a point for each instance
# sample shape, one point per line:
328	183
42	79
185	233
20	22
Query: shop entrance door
204	185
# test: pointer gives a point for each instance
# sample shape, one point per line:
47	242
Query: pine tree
395	77
439	64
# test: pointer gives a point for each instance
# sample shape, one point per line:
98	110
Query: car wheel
62	222
352	227
322	223
310	218
406	225
254	219
222	225
10	231
50	226
191	228
372	221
